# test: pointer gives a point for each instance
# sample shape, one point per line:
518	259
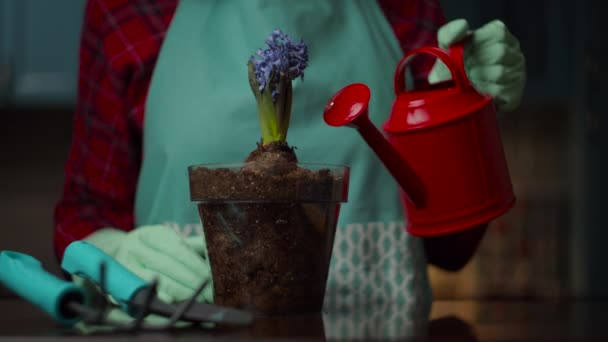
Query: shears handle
24	275
84	259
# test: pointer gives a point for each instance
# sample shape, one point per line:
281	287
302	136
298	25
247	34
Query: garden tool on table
69	303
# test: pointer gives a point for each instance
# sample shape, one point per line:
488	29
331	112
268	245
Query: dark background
550	245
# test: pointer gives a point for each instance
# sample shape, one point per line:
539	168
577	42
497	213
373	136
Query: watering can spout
349	107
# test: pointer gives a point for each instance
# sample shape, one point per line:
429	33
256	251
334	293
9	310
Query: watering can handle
454	60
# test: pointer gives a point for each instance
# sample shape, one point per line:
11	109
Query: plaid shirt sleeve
415	23
120	41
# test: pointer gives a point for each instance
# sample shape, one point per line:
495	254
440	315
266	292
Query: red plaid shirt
120	42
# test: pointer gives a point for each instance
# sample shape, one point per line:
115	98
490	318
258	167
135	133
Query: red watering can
442	146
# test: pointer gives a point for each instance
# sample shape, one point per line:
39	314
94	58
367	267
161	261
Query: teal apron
200	109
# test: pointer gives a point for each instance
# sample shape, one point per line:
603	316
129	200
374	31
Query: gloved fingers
452	32
197	244
438	73
166	242
157	236
207	294
184	266
165	297
493	32
498	53
496	73
148	269
176	291
492	88
494	63
506	96
168	290
107	239
190	275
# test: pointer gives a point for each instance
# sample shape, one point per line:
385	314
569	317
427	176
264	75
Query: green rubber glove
179	264
158	252
494	63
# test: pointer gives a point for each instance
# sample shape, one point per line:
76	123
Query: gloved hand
150	252
493	61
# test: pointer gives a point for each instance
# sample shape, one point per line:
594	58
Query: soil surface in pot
269	229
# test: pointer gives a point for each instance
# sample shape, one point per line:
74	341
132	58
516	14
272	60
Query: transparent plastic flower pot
269	235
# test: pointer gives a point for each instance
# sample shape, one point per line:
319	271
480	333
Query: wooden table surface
449	320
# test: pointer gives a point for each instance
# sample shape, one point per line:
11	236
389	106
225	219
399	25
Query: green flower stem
268	119
266	111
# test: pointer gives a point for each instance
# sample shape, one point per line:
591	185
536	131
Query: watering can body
443	145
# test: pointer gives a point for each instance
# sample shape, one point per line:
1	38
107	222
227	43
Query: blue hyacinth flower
281	58
271	71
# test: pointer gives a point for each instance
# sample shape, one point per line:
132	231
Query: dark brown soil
275	158
269	258
269	229
268	175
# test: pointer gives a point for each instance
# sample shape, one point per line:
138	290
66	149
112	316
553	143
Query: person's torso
200	109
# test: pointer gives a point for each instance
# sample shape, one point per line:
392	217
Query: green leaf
284	107
268	119
266	111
